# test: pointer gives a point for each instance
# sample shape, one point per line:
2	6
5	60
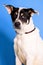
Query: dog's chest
27	43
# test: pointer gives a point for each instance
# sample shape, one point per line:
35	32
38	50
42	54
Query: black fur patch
13	15
24	14
25	17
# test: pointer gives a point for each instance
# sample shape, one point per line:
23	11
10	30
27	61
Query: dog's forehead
22	9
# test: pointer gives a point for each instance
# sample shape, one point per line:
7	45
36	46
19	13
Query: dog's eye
22	15
16	13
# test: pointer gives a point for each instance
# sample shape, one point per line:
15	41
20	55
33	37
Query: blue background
7	33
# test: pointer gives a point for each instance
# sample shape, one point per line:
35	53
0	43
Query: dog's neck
30	31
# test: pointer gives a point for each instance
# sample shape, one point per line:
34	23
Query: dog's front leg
18	62
20	58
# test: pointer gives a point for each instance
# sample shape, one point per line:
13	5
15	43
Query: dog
28	45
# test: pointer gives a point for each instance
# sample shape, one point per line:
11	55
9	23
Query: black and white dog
28	44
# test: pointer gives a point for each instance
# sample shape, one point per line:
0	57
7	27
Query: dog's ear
9	8
32	11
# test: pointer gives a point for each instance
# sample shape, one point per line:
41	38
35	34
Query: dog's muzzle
17	25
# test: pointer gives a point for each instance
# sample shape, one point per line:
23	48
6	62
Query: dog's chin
19	31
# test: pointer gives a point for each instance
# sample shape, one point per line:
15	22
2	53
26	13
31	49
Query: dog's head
21	18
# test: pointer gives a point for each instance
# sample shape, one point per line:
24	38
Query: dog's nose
17	24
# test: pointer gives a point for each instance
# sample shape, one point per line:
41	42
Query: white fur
29	45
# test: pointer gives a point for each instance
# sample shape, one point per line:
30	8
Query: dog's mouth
18	27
